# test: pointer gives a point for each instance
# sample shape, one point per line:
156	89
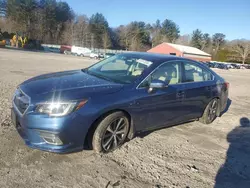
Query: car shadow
229	102
235	172
148	132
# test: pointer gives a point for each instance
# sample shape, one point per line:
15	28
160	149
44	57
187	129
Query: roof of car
154	57
188	49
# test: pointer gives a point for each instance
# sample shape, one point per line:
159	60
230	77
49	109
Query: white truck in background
80	51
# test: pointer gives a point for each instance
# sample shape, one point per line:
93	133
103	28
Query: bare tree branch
242	48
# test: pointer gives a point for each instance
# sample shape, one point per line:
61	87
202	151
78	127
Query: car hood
68	85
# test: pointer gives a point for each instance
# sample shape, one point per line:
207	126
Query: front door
160	107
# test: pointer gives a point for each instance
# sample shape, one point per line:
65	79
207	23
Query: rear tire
210	113
110	133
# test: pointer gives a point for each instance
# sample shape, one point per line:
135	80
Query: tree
114	39
106	40
98	26
242	48
200	40
223	55
156	33
77	31
218	40
196	40
134	36
38	19
205	42
170	30
62	15
22	13
184	40
46	19
140	36
124	35
3	7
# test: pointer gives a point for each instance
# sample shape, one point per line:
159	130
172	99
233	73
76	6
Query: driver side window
170	73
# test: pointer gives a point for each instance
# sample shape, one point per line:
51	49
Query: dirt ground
189	155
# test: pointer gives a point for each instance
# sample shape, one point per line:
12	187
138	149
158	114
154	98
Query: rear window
194	73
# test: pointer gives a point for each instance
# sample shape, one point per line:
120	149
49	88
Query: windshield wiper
98	75
104	77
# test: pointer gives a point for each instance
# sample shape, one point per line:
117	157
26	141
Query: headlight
59	108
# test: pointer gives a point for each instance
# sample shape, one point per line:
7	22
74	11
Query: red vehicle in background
65	49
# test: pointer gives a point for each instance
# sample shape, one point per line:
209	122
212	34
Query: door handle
208	88
180	94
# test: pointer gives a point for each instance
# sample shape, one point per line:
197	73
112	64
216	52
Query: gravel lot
189	155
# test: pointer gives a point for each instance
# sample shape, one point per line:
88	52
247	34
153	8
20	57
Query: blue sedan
101	106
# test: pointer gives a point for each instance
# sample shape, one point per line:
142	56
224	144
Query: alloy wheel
115	134
212	110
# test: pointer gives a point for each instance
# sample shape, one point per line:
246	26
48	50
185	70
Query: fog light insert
50	138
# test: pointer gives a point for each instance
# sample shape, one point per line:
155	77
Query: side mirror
157	84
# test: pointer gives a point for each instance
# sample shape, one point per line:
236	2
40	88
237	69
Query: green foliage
200	40
196	40
206	41
39	18
114	39
99	27
167	31
139	36
54	21
170	30
134	36
218	40
222	55
63	12
21	11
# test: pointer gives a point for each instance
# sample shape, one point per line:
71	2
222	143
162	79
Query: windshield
119	68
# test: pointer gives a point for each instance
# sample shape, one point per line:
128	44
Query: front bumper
69	130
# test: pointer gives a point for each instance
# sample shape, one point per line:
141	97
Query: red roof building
181	51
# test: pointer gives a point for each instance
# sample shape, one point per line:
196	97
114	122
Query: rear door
198	83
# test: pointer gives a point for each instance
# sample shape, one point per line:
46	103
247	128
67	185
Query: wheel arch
92	128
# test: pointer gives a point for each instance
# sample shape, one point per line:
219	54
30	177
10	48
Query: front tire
110	133
210	113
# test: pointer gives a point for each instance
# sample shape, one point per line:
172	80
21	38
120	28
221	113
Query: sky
231	17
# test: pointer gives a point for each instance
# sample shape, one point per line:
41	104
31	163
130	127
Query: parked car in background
211	65
243	67
247	66
101	55
103	105
80	51
205	63
65	49
94	55
107	55
229	66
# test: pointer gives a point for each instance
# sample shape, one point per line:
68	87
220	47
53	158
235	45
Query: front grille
21	101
